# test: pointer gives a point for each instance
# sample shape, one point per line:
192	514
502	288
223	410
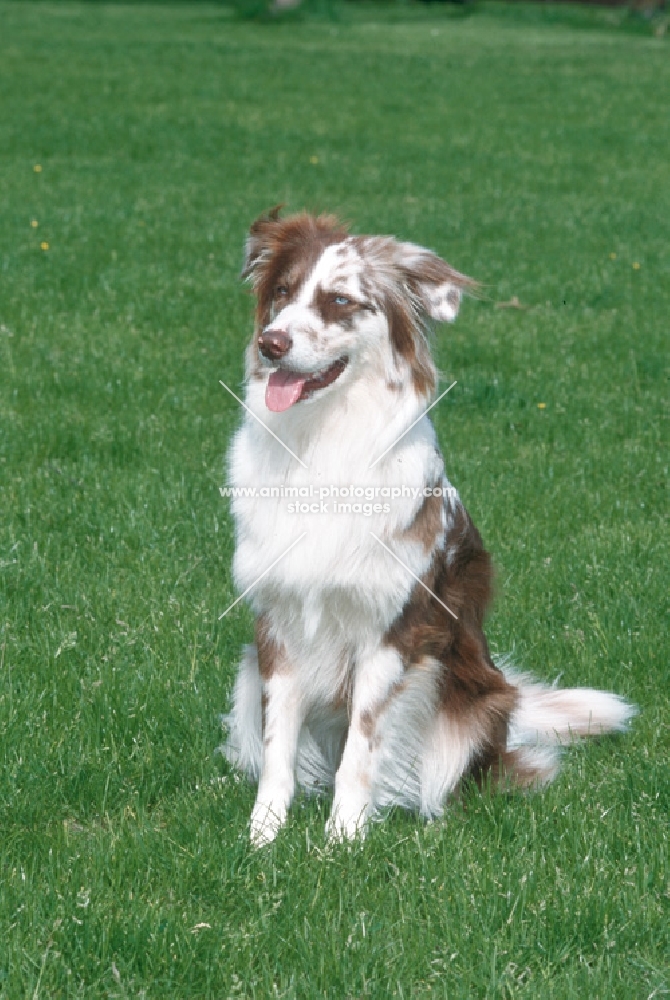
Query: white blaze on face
311	363
336	270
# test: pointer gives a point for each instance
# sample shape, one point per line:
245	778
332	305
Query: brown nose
274	344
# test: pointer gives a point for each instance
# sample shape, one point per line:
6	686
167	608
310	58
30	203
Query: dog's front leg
376	680
282	720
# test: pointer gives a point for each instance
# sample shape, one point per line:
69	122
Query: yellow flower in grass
541	406
44	245
314	159
37	168
34	223
612	256
636	266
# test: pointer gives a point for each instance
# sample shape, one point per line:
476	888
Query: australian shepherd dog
370	671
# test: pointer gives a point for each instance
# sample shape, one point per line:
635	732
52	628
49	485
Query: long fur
361	676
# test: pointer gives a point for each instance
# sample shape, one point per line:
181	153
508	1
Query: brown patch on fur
369	717
345	690
281	253
424	627
392	278
518	769
264	709
423	267
386	286
487	722
408	339
472	691
427	523
396	689
272	656
453	298
367	724
325	304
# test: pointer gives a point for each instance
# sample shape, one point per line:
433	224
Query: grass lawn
530	146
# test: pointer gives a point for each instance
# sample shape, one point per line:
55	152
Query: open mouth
285	387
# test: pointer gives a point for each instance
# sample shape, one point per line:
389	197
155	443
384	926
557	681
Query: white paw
347	822
266	821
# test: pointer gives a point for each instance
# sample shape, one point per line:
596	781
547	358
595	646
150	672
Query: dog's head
333	307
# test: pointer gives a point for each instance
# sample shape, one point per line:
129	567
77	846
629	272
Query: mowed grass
137	143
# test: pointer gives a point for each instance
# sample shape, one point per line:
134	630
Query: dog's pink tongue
283	390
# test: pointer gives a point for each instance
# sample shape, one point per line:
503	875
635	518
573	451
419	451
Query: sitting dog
370	669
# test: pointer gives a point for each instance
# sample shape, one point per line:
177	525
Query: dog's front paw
266	821
347	822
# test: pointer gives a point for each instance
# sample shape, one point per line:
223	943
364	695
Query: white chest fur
333	585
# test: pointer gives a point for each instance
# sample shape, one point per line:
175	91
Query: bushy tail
547	718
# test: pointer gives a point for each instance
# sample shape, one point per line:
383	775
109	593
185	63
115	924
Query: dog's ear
436	284
260	240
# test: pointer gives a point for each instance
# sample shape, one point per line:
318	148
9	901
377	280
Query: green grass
529	153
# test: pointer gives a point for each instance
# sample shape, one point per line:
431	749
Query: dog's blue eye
282	290
341	300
